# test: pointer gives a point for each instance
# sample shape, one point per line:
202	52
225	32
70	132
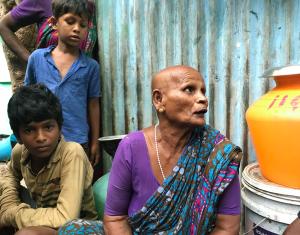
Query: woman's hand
115	225
227	225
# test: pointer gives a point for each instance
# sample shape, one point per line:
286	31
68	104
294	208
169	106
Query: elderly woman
179	176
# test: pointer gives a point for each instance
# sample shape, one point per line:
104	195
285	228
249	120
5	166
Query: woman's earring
161	110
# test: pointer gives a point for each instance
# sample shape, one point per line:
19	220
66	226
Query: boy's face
40	138
72	29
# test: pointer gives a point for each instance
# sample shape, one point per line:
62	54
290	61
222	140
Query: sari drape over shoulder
186	202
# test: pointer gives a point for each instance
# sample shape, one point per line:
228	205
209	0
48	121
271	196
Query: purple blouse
31	11
131	181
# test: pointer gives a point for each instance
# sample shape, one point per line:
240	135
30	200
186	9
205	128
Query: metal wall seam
231	42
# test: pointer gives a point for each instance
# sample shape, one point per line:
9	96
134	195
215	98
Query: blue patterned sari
186	201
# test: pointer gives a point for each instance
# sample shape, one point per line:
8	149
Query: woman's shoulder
31	11
211	134
132	145
207	130
133	137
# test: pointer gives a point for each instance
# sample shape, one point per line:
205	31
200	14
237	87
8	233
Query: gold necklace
157	152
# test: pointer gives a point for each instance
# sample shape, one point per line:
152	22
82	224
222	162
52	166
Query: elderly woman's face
185	100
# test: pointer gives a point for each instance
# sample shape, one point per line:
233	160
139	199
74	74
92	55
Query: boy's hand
94	154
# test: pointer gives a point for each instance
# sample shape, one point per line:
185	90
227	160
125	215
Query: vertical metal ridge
230	42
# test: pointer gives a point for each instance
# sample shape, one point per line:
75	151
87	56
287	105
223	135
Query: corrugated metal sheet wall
231	42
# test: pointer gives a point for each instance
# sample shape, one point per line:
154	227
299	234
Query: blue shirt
81	83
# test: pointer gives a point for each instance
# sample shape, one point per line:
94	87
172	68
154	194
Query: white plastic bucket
269	207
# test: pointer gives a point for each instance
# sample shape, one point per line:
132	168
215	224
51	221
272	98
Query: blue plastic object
6	147
13	138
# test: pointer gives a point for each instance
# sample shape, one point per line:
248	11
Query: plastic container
5	149
269	207
100	191
274	124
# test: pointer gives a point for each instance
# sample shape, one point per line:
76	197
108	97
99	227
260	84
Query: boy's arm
75	171
30	74
10	179
94	120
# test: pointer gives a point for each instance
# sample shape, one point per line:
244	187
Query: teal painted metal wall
232	42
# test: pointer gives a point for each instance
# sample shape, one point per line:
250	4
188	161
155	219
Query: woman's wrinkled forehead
174	76
183	75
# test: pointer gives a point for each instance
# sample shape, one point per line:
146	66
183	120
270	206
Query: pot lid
282	71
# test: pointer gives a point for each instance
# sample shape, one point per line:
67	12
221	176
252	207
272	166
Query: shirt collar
82	59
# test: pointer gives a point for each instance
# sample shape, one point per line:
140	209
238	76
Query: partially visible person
16	66
71	75
38	12
57	173
27	12
179	176
294	227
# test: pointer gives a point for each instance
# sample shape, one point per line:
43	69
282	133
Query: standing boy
57	173
71	75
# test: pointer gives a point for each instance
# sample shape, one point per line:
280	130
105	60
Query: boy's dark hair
77	7
33	103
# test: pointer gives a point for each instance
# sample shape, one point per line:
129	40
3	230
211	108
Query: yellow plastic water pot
274	125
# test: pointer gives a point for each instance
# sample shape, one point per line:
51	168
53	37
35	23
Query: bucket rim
254	179
272	210
282	198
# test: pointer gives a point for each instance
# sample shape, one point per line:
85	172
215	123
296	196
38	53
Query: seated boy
58	174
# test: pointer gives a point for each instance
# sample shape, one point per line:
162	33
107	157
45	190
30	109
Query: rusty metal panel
231	42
